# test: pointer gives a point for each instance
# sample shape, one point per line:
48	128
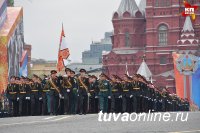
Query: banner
24	64
196	86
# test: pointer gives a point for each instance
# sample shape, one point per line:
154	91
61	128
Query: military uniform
83	84
54	95
35	98
12	95
93	90
45	98
74	101
136	96
116	103
127	96
104	92
67	90
22	99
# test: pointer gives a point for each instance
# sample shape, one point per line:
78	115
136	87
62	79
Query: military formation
82	93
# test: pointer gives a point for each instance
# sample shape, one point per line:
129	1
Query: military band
82	93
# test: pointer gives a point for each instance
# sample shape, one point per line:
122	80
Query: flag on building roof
63	52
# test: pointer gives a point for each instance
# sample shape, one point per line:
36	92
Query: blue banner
196	86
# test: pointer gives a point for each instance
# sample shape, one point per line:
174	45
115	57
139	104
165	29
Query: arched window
127	39
162	35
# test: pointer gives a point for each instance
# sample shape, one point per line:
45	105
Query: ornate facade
152	29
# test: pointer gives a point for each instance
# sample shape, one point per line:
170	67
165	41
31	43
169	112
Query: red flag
63	52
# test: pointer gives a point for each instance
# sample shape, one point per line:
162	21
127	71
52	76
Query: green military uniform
105	91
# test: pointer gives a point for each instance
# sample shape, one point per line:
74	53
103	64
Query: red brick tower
152	29
128	39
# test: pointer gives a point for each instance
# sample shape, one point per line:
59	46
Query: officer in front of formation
104	92
83	85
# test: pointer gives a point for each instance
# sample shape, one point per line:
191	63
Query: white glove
68	90
96	97
109	97
60	96
28	98
17	98
89	94
40	98
120	96
131	96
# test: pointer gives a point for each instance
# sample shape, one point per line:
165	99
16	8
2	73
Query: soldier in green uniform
74	94
53	83
12	94
93	91
127	89
45	97
136	94
104	92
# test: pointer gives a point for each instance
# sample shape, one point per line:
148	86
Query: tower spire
127	6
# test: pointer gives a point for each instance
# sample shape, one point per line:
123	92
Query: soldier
46	96
40	93
127	89
22	97
12	95
104	92
35	87
67	85
53	84
83	84
93	91
116	103
74	94
136	94
28	95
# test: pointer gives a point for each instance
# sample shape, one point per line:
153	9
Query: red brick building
150	29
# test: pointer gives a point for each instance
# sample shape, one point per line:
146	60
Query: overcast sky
84	21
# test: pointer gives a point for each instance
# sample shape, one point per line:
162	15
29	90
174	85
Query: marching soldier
136	94
116	103
45	97
35	95
93	90
53	84
83	84
40	92
12	94
104	92
67	85
127	88
74	94
22	97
